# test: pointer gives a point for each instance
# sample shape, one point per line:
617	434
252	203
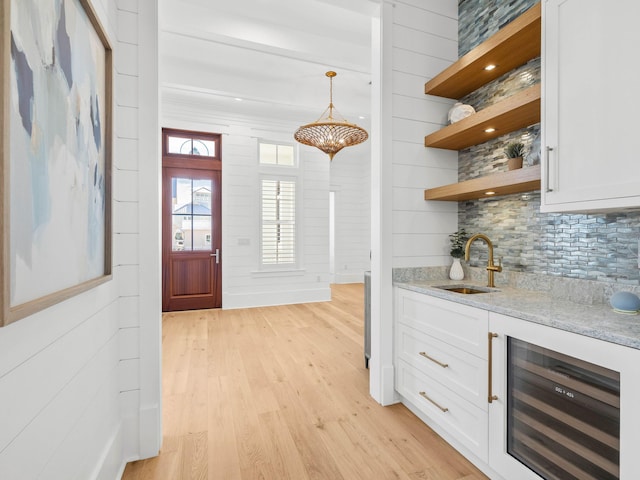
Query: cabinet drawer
458	325
461	372
464	421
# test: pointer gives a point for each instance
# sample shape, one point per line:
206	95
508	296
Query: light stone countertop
593	320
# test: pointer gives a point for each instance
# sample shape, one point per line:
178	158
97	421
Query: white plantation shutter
278	221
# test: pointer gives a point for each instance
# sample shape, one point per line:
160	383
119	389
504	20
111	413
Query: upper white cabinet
590	105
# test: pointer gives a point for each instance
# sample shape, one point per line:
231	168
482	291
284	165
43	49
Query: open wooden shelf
505	183
515	112
513	45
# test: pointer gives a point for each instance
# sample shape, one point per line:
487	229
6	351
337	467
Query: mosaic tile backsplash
601	247
479	19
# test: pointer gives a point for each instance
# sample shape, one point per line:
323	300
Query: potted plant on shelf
457	242
514	152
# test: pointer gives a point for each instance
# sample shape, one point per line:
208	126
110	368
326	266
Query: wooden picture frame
55	159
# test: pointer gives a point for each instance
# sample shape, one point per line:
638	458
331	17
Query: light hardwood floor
280	393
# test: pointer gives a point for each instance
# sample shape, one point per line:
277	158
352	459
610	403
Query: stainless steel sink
466	289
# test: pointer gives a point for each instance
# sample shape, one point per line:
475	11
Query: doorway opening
332	237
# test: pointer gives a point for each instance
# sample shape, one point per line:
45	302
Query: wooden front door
191	233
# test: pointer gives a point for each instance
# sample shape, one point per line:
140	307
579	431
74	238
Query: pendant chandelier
331	132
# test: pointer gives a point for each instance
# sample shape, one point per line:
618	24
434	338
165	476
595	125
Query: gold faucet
491	268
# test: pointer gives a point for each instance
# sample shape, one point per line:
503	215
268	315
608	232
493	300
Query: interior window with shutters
279	224
278	240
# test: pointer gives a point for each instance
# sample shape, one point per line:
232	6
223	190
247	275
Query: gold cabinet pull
426	397
424	354
491	396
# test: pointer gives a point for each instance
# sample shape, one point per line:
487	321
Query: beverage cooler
562	406
563	414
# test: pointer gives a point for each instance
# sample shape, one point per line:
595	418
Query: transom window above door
178	142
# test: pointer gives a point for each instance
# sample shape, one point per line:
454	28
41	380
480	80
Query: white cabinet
440	351
590	105
443	357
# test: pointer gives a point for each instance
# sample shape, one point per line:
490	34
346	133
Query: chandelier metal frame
331	132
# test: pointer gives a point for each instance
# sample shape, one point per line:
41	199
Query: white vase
456	272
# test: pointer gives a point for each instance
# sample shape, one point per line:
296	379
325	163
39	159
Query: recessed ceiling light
490	67
361	117
238	99
489	130
490	193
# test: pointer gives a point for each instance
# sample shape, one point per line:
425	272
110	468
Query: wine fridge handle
490	395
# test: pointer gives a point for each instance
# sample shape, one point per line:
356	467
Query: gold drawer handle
424	395
443	365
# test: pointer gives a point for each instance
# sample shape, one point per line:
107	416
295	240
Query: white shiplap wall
425	41
412	41
70	375
244	285
351	180
139	169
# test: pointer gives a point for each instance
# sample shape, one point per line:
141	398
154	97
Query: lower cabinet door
462	420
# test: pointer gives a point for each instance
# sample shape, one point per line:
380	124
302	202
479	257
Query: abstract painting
56	154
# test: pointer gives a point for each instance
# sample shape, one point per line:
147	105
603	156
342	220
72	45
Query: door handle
217	255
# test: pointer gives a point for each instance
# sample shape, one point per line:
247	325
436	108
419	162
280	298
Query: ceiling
272	55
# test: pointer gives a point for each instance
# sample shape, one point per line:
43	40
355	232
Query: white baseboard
111	465
128	446
268	299
389	394
150	431
353	277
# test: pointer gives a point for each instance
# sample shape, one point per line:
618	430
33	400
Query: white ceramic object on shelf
456	272
459	111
